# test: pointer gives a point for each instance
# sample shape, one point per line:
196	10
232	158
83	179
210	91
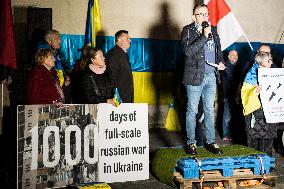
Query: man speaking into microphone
203	60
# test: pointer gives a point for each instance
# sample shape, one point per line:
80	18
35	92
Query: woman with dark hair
77	75
260	134
43	85
97	84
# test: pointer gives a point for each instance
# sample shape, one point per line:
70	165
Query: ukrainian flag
250	99
117	100
93	25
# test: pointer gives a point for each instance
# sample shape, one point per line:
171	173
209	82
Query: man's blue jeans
207	90
226	118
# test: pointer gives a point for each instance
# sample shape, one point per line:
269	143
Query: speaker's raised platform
192	168
241	178
166	160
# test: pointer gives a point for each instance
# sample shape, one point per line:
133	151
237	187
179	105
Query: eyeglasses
202	14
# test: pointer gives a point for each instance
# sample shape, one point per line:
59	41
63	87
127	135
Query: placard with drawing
272	94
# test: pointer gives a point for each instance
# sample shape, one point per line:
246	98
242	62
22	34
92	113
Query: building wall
147	20
262	20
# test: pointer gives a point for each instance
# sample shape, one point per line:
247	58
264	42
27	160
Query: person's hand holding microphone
207	29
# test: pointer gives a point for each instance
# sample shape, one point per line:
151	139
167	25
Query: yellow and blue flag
250	99
93	25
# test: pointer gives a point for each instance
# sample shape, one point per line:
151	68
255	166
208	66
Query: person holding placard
118	63
260	134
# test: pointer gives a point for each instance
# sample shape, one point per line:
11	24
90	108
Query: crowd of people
204	67
95	76
92	81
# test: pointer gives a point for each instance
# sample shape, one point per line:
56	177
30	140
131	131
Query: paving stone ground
157	138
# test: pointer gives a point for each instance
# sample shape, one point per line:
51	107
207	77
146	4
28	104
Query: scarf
97	69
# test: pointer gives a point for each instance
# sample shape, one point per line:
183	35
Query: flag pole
248	41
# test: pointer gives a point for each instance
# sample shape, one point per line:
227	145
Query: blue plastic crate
223	164
254	162
189	168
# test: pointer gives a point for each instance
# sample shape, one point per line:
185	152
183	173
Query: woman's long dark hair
91	53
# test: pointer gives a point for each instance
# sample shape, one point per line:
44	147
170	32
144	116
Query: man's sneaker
190	149
214	148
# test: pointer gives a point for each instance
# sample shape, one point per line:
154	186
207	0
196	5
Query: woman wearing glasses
203	59
259	133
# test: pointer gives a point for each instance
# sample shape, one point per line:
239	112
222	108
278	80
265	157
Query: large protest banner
272	93
59	146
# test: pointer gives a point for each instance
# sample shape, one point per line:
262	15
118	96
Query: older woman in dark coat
97	84
42	83
260	134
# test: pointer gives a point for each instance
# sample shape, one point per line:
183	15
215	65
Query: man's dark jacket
117	61
193	47
230	79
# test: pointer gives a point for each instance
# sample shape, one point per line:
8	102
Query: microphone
205	25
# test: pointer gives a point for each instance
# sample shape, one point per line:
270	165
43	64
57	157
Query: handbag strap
95	85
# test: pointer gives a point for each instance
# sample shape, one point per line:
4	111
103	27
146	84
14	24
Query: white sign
58	146
124	143
272	93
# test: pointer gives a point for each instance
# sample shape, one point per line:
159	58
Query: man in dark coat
230	81
117	61
203	58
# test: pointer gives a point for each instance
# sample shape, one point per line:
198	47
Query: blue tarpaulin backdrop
150	55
